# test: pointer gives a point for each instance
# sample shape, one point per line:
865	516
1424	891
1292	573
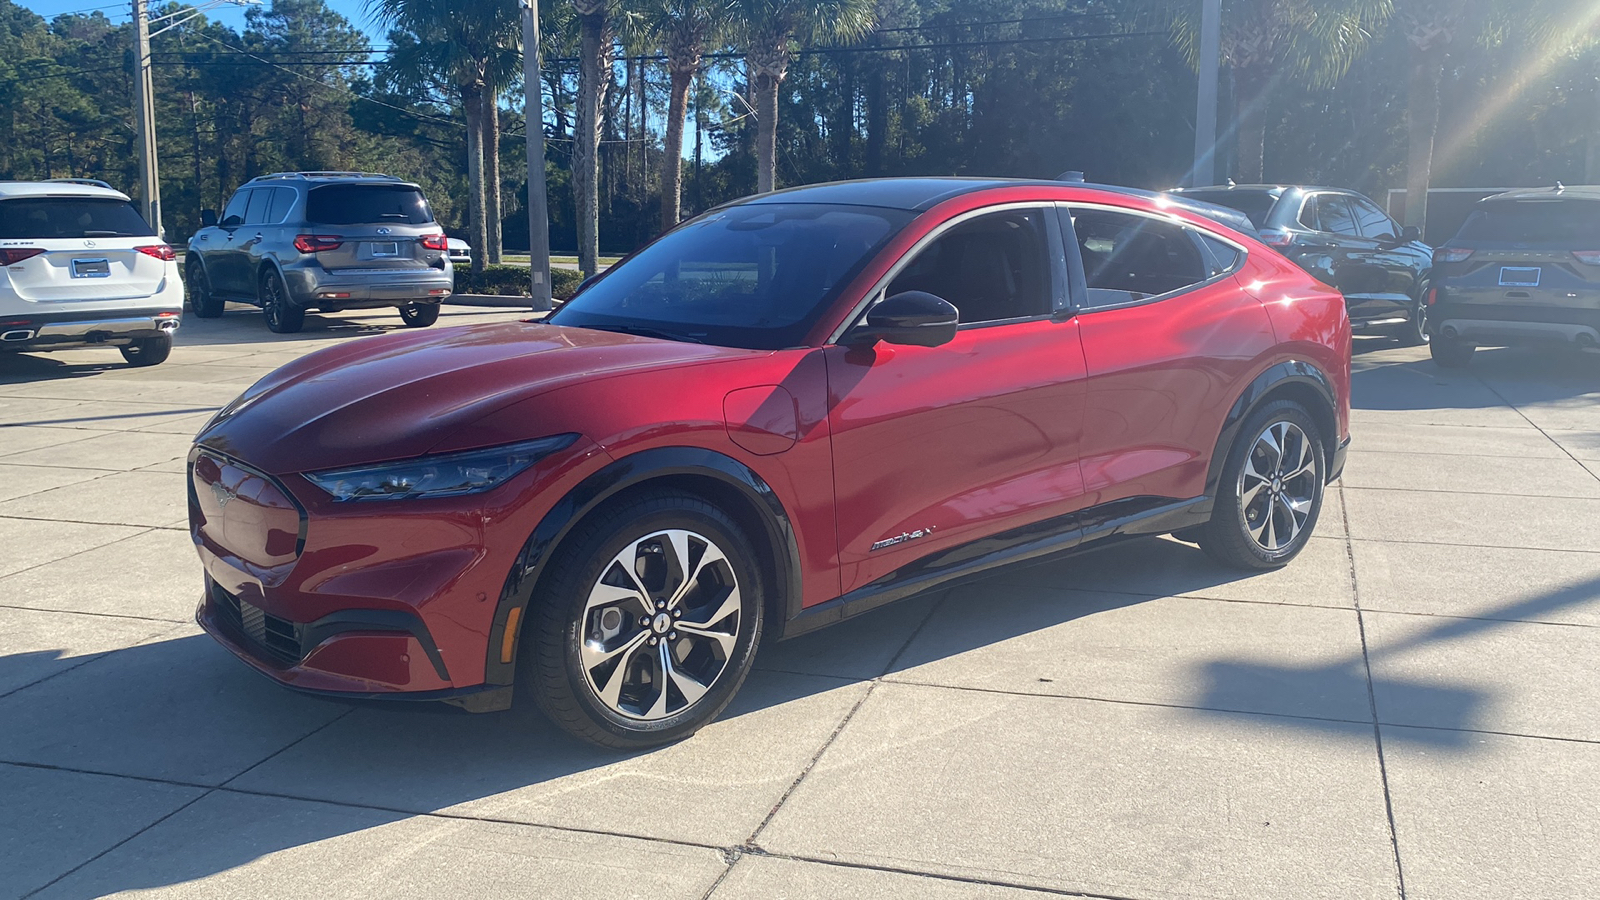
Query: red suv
790	410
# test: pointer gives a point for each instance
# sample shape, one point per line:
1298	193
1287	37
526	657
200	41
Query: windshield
70	217
367	204
1534	221
755	276
1255	204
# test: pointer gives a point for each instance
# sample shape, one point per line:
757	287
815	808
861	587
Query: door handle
257	237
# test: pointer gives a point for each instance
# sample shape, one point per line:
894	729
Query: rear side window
70	217
282	199
367	204
1129	257
260	200
1534	221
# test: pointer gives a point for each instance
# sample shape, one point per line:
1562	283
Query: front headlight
443	475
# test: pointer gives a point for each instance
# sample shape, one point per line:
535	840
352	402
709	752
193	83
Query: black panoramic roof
891	193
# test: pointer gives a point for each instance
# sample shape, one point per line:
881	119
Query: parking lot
1406	710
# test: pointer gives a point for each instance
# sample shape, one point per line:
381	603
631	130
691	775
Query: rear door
66	249
1168	335
935	447
379	225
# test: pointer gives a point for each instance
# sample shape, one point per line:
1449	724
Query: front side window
43	218
991	268
1374	223
260	201
234	213
1127	257
756	276
367	204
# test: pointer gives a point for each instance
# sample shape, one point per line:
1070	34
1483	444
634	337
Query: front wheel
647	624
205	304
419	315
151	351
1270	493
283	317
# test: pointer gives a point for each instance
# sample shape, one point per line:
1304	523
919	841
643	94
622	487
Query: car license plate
1519	276
387	248
91	268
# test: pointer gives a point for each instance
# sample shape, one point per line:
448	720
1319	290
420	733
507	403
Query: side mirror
233	221
1411	233
208	218
914	318
584	284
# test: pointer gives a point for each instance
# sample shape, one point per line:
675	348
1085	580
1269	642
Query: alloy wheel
1278	485
659	625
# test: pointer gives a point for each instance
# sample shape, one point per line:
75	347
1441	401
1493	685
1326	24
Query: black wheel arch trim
1275	377
627	472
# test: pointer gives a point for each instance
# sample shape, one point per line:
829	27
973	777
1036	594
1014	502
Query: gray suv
321	240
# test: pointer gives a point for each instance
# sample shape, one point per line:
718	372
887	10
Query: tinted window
260	199
990	268
70	217
1224	257
236	207
1308	214
756	276
1128	257
1257	205
367	204
1533	221
282	199
1333	215
1374	223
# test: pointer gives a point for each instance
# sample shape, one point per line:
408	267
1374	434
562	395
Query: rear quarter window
367	204
44	218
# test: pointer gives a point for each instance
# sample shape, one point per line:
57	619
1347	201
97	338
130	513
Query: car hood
400	395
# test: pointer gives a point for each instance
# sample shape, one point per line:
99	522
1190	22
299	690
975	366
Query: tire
610	697
1255	502
1415	332
283	317
151	351
205	304
1451	353
419	315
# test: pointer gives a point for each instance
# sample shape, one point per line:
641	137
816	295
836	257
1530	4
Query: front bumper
65	330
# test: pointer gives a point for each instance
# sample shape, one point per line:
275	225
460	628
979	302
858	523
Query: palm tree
1430	26
594	63
767	28
1265	41
473	48
683	28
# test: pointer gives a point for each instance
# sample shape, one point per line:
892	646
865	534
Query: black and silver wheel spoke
660	624
1278	486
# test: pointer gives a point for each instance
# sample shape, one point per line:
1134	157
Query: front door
937	446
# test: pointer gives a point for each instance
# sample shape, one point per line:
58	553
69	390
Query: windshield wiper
90	234
647	331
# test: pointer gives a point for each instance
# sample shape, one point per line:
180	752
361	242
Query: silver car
328	241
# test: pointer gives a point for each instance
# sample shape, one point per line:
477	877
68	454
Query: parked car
460	252
790	410
1525	267
1345	240
79	267
329	241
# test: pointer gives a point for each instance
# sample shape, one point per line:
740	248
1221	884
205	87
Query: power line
71	74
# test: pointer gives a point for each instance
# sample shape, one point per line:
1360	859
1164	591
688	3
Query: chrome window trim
1169	219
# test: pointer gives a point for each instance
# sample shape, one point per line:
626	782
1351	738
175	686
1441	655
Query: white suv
79	267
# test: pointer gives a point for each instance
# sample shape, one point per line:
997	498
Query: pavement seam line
91	860
84	612
939	876
731	857
94	657
750	842
1536	426
1372	702
111	524
126	537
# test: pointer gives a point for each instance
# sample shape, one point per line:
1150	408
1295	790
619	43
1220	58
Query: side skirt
1092	527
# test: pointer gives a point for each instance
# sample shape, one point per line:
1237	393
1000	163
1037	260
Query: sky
233	16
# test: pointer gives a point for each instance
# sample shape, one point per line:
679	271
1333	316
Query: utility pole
1205	113
538	202
144	114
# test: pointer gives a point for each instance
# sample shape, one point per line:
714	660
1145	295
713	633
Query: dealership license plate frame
384	249
95	267
1517	276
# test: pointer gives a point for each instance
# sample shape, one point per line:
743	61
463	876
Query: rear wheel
151	351
419	315
647	623
1451	352
1270	492
283	317
205	304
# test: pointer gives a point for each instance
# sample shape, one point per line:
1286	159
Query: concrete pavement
1407	710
